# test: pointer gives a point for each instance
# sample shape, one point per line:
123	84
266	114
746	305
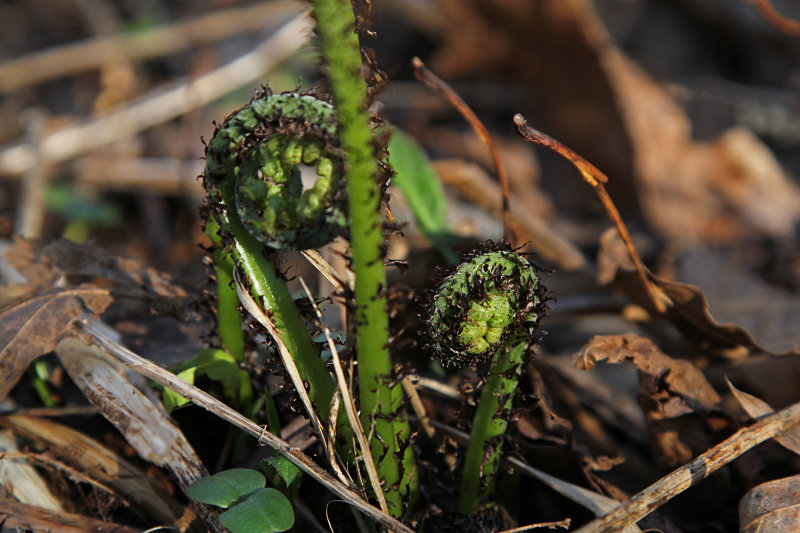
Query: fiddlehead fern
251	169
488	307
252	166
489	301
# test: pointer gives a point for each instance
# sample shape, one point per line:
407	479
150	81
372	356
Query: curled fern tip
253	166
488	301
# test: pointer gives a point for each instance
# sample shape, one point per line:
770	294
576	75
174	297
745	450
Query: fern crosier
252	166
487	308
489	300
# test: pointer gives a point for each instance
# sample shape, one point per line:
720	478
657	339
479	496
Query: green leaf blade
422	189
264	511
226	487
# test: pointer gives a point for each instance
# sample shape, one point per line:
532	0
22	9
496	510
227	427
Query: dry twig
432	80
594	177
663	490
160	105
169	380
784	24
154	42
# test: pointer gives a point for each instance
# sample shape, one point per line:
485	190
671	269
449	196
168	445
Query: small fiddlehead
489	301
252	166
488	307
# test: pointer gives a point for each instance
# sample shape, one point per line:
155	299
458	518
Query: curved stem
231	335
489	426
380	402
272	292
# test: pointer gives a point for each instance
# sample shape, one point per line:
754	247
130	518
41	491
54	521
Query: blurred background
690	107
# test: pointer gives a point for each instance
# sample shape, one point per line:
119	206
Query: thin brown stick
160	105
784	24
169	380
564	524
417	406
93	53
595	178
432	80
692	473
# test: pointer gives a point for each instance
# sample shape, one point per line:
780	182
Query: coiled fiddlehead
488	307
252	167
489	301
256	197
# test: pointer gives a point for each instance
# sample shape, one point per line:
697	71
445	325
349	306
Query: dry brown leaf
688	311
670	393
103	465
771	507
33	327
588	94
542	45
142	420
20	478
680	376
28	517
65	279
758	408
695	192
73	264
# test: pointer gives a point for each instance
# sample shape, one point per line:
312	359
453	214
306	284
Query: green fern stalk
257	200
489	425
268	288
488	308
229	321
379	401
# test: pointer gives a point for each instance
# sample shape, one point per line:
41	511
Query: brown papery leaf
771	507
688	311
65	279
680	376
74	264
758	408
670	392
102	464
32	328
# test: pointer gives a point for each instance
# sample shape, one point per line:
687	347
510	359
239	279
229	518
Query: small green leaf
264	511
422	189
219	366
284	467
171	399
72	204
226	487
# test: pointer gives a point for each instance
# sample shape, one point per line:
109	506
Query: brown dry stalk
202	399
71	58
159	105
432	80
784	24
594	177
692	473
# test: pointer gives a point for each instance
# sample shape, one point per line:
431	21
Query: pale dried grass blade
211	404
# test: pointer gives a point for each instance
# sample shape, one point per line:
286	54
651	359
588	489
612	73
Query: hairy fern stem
487	309
380	402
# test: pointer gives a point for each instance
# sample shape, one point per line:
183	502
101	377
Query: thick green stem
270	289
380	402
489	426
231	335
